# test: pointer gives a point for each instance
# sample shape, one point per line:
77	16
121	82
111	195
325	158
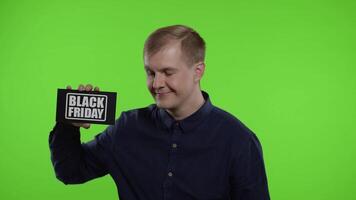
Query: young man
180	148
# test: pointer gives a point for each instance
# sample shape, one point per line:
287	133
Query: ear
199	69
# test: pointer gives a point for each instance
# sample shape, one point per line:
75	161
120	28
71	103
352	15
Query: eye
150	73
168	73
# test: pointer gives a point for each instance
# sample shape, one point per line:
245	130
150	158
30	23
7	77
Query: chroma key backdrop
285	68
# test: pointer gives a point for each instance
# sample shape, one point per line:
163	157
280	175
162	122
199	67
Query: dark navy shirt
210	155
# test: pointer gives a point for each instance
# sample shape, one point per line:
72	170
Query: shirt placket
174	144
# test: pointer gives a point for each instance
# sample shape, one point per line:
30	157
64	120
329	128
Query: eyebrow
163	69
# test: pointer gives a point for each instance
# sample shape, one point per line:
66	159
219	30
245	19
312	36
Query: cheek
149	83
172	83
178	82
185	80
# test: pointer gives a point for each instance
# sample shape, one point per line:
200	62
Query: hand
88	88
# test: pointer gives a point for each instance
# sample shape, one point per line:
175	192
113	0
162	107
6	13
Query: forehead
169	56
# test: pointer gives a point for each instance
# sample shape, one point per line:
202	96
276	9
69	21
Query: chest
195	162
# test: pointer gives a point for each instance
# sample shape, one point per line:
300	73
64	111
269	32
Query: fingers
81	87
76	124
88	87
86	125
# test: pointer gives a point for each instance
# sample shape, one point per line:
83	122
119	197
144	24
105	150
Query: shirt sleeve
248	177
75	162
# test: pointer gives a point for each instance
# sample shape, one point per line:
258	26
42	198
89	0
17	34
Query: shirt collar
191	121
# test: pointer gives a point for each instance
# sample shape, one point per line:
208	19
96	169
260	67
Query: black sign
86	107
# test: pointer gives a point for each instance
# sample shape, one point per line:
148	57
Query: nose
158	81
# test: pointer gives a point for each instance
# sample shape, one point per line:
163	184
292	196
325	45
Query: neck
192	104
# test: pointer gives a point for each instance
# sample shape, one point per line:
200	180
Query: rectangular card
86	107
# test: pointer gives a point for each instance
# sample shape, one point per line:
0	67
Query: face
170	80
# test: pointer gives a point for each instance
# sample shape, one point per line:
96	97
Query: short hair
192	45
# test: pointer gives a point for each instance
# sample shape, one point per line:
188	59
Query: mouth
161	94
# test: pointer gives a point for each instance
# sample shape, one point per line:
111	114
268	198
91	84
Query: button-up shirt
210	155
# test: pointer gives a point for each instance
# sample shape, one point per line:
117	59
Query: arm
74	162
248	179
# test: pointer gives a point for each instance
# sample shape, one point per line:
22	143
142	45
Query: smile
161	94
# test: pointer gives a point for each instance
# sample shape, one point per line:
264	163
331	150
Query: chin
164	105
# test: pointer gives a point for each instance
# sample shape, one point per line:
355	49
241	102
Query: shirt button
174	145
170	174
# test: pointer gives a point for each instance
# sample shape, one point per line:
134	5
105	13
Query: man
180	148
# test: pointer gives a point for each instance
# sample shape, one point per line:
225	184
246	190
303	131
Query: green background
284	68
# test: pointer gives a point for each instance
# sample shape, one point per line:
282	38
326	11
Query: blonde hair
192	45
